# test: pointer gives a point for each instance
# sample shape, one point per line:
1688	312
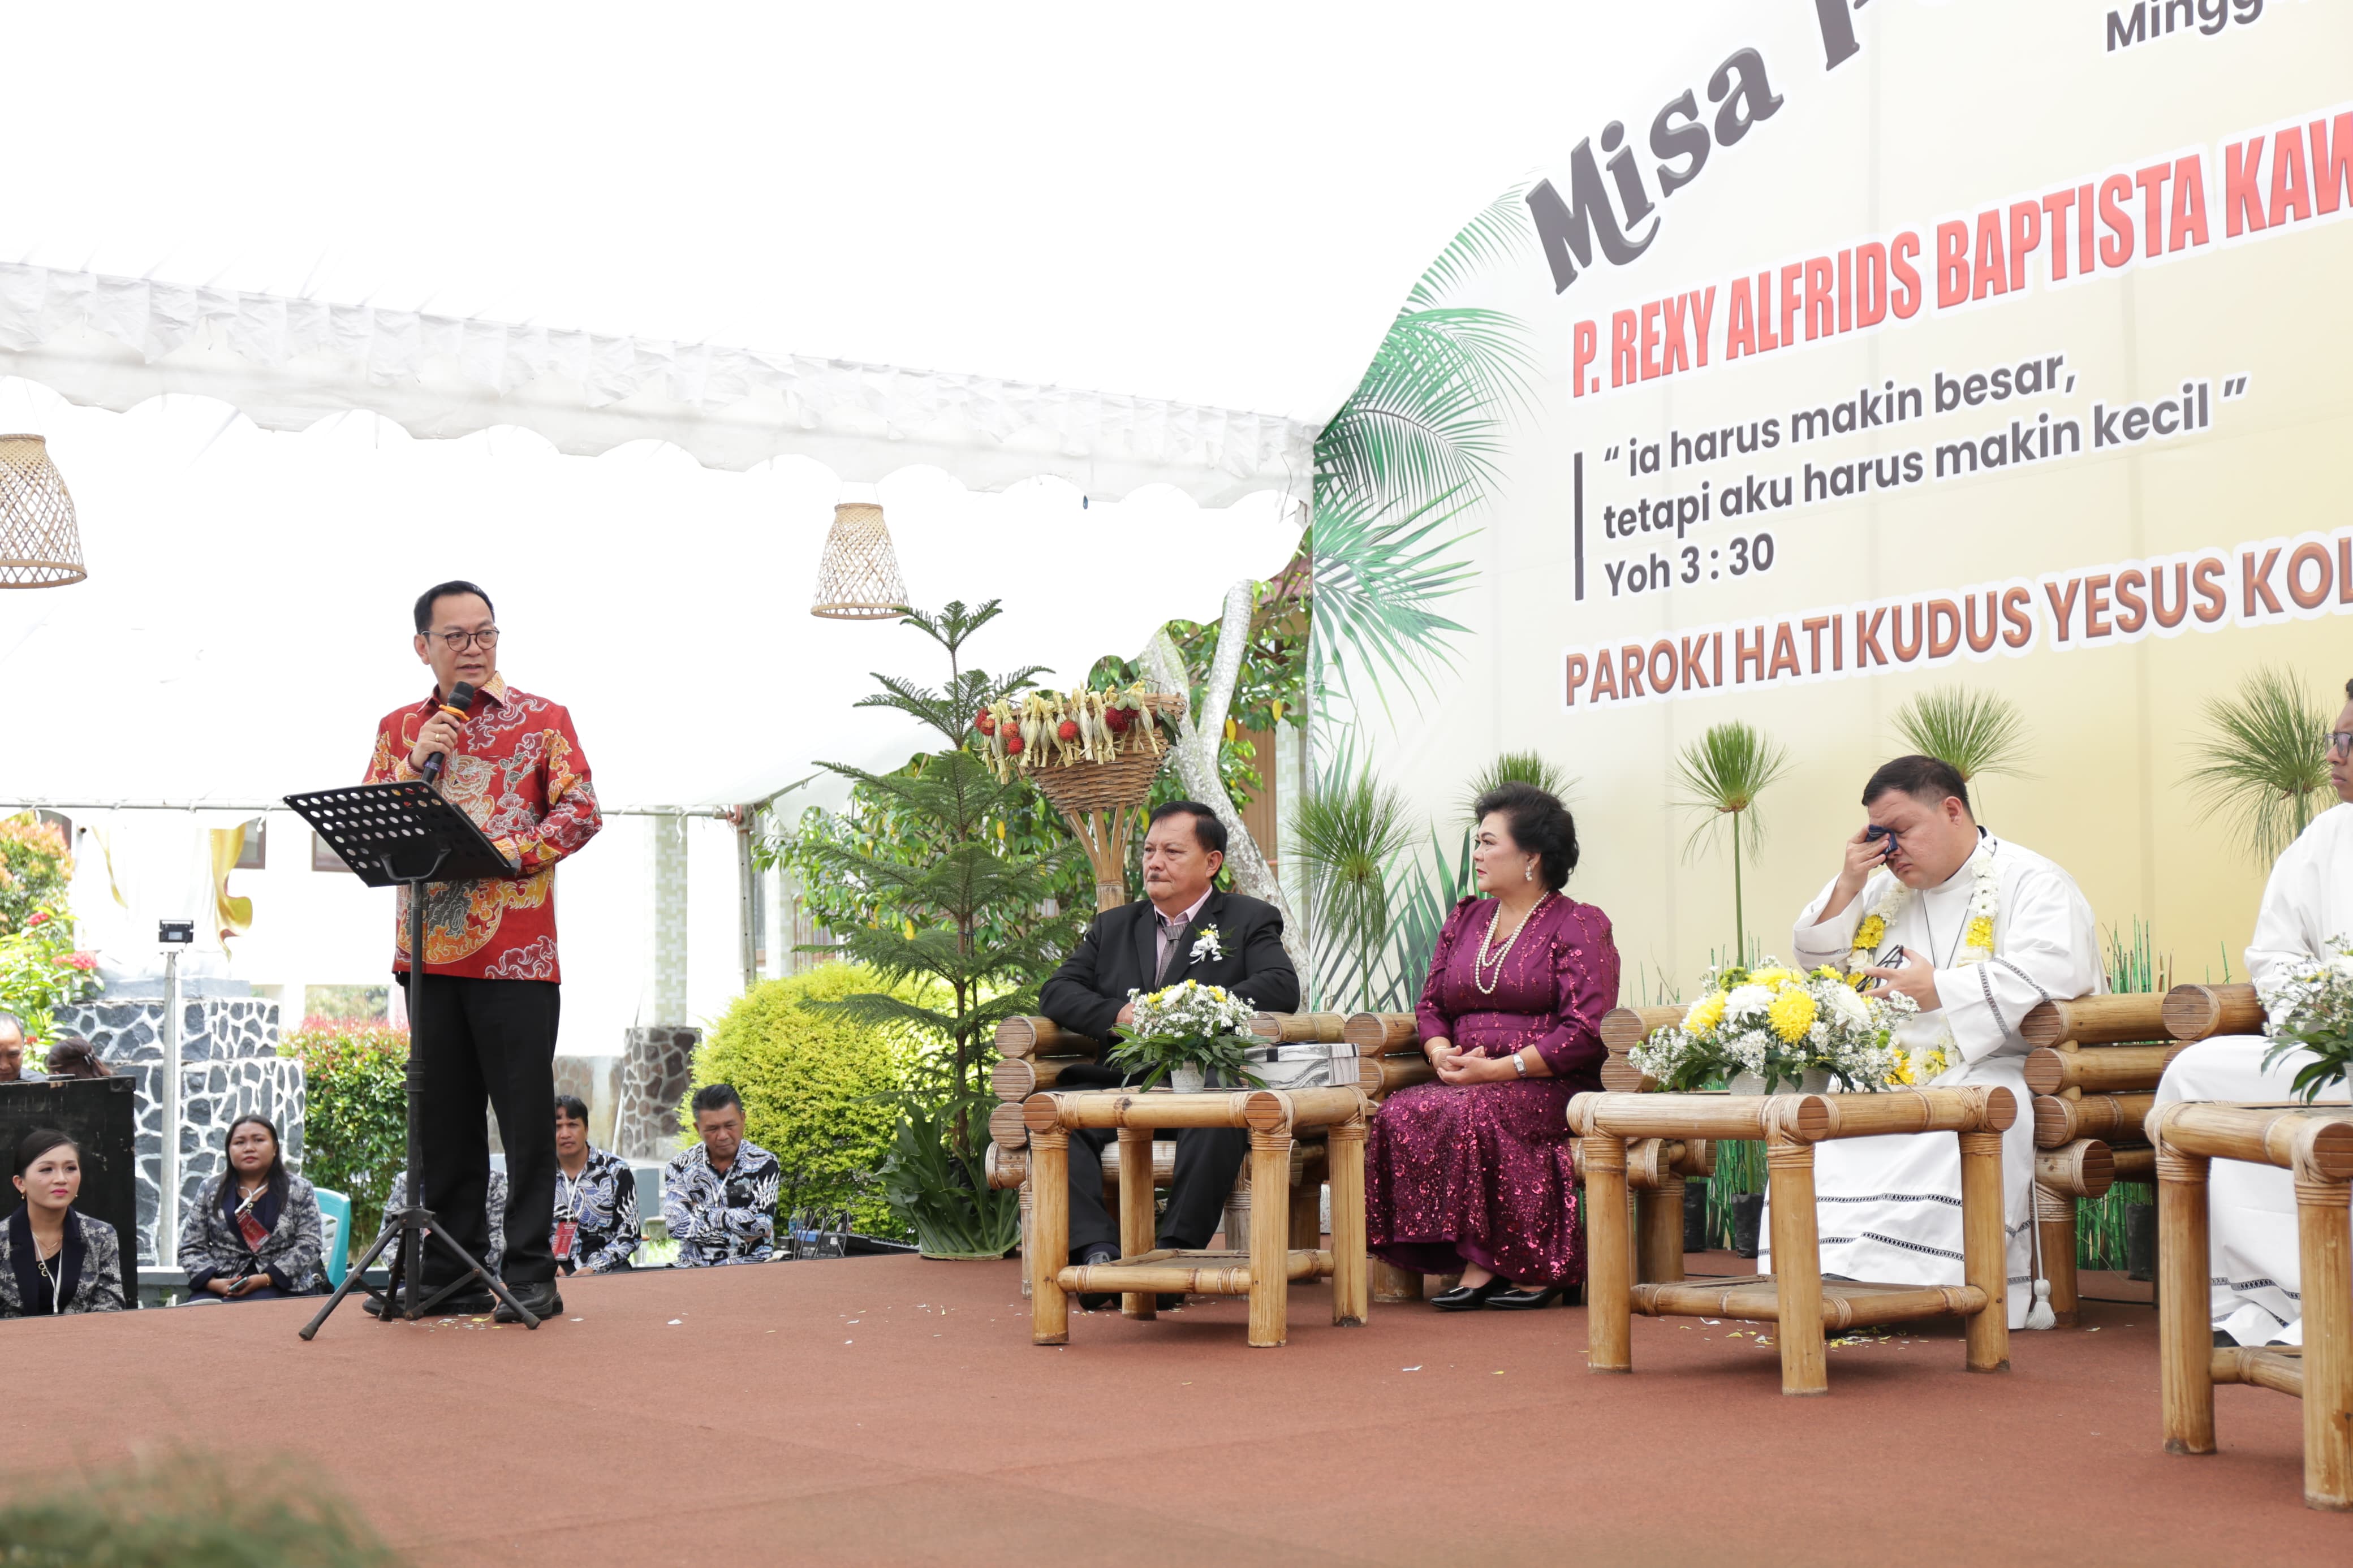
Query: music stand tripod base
407	835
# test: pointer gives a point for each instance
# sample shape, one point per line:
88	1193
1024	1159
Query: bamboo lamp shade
859	578
40	547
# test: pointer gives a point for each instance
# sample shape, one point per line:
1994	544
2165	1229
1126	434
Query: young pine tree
956	926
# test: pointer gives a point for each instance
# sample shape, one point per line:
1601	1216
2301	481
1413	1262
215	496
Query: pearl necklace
1480	962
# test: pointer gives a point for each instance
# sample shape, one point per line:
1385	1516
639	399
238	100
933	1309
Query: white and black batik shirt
722	1219
604	1204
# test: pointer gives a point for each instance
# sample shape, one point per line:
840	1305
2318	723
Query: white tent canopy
717	227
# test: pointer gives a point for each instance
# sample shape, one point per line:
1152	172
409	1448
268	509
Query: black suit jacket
1115	955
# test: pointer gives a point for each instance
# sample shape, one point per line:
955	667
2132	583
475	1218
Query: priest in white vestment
1975	931
2251	1209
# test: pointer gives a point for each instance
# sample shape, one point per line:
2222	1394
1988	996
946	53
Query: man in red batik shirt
514	764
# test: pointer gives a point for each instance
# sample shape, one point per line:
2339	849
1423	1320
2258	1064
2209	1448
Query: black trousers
496	1040
1208	1160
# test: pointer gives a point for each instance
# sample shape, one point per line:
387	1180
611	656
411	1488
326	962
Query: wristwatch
1519	1064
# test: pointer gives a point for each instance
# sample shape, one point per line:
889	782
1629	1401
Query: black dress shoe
1095	1256
1526	1299
540	1296
471	1303
1468	1298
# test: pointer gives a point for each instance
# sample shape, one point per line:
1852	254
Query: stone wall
657	1066
229	1066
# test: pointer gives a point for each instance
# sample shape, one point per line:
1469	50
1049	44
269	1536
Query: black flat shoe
1468	1298
1526	1298
1095	1256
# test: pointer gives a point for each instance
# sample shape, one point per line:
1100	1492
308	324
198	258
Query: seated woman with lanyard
258	1235
54	1259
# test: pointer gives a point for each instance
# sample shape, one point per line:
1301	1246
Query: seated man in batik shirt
718	1196
597	1227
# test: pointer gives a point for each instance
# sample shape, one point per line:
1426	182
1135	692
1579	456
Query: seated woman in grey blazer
55	1259
256	1236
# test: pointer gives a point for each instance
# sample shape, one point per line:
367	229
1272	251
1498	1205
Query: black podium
407	834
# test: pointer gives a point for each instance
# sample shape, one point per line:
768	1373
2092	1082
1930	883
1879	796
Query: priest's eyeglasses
2341	741
485	639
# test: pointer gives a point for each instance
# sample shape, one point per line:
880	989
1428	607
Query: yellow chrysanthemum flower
1871	932
1901	1073
1791	1015
1706	1014
1981	932
1773	976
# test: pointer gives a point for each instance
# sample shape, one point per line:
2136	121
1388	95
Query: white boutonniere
1209	944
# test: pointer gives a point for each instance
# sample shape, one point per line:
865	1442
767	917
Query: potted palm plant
1185	1033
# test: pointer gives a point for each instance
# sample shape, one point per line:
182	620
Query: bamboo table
2315	1142
1794	1295
1263	1273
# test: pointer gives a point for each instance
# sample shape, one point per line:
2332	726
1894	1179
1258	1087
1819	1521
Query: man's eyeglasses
456	641
2341	741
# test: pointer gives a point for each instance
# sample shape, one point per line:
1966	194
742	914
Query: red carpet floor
894	1411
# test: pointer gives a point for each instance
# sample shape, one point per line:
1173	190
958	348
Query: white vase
1187	1078
1815	1081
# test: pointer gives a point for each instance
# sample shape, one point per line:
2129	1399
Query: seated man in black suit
1182	930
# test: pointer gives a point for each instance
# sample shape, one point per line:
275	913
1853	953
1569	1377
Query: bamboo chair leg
1308	1214
1050	1237
1660	1223
1984	1256
1238	1212
1391	1284
1136	1215
1269	1253
1608	1285
1797	1266
2185	1337
1025	1237
2054	1220
1352	1298
2326	1249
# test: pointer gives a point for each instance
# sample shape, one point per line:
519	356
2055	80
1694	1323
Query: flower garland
1977	939
1976	947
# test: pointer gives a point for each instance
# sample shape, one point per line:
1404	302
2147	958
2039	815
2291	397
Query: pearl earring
1528	872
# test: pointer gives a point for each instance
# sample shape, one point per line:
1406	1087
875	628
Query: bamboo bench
1264	1272
2316	1144
1795	1295
2092	1075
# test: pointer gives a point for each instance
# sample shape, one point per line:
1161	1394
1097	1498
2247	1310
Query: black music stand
406	834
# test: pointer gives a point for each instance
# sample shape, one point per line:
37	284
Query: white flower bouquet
1776	1024
1185	1031
2312	1010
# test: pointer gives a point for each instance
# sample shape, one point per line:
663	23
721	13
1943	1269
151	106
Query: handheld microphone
462	701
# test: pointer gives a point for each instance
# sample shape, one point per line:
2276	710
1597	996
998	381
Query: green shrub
817	1088
355	1115
189	1512
39	969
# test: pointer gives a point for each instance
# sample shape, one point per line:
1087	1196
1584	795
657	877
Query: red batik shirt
520	775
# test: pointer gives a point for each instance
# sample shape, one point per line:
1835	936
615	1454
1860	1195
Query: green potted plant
1185	1033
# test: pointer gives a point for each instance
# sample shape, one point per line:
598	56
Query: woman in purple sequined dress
1474	1173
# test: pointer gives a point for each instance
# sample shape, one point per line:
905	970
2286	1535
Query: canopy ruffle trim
112	342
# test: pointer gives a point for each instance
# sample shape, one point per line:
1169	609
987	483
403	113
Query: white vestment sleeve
2046	949
2285	937
1817	941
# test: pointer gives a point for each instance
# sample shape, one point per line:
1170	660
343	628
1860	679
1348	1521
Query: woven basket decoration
859	578
1099	800
40	547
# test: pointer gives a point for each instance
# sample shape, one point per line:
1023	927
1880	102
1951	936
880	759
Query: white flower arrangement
2312	1009
1211	943
1187	1024
1776	1024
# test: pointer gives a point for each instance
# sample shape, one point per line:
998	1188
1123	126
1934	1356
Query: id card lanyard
567	1224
